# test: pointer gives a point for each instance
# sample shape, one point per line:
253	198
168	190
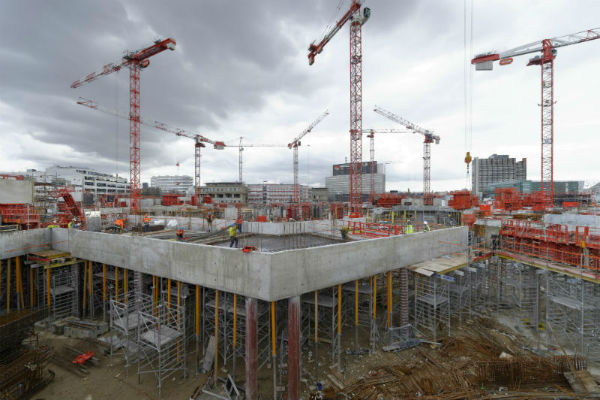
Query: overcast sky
240	69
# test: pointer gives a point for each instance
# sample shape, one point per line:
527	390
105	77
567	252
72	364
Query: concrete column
251	350
294	348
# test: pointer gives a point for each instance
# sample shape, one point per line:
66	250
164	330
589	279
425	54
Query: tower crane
545	59
241	147
371	135
428	138
199	140
294	144
135	60
357	20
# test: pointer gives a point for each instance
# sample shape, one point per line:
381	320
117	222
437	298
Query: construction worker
70	224
409	228
426	227
146	223
180	233
119	225
344	231
238	222
233	235
209	219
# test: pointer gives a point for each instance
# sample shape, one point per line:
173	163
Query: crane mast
294	144
428	138
135	60
371	135
547	49
357	19
241	147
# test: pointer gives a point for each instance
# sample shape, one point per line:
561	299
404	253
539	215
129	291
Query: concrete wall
18	243
214	267
294	272
16	192
266	276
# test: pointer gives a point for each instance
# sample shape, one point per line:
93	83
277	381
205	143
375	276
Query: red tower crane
428	138
198	139
135	60
357	20
371	135
294	144
547	48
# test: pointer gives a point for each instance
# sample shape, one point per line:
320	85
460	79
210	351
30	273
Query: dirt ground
477	339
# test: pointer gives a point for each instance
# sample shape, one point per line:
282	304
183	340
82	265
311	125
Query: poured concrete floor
271	244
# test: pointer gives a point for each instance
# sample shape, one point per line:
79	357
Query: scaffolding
432	301
520	290
573	314
64	297
161	339
230	320
460	293
326	317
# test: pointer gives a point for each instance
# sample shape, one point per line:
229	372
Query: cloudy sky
240	70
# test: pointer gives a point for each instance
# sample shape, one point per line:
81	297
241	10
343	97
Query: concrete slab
18	243
265	276
273	243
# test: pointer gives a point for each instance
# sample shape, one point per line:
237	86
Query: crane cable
117	127
468	82
333	18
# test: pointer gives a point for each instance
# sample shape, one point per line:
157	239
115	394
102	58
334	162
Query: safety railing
556	252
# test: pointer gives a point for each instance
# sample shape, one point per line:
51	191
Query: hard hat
183	228
425	222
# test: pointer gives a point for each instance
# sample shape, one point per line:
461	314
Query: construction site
274	291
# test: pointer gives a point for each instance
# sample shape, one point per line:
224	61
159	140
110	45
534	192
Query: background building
173	183
268	193
496	169
338	185
560	187
82	179
225	192
319	194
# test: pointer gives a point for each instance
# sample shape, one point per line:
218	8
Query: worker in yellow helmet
233	235
409	228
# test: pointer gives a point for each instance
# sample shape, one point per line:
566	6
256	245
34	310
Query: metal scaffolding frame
161	339
326	317
366	306
460	293
64	291
573	314
227	352
124	321
432	302
520	290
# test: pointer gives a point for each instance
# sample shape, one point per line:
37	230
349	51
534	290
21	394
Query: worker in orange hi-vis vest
119	225
146	223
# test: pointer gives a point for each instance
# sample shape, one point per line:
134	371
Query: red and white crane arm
297	141
140	56
315	49
485	61
429	136
154	124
